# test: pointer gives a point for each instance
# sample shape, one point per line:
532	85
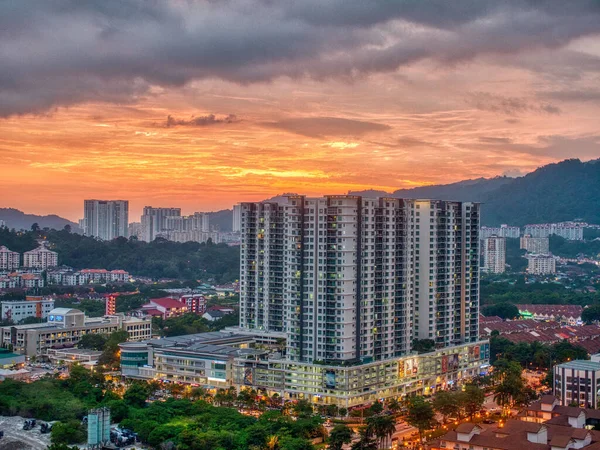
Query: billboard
248	376
453	362
330	379
444	364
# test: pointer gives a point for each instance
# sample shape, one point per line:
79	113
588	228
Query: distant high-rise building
205	222
572	231
106	219
352	279
154	221
40	258
535	244
237	218
503	230
135	230
9	260
541	264
494	254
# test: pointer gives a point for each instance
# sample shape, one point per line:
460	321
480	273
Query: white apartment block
494	254
352	279
572	231
17	310
40	258
541	264
106	219
9	260
237	218
503	230
154	221
535	244
69	277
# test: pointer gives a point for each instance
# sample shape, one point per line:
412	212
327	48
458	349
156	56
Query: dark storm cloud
320	127
200	121
64	52
509	105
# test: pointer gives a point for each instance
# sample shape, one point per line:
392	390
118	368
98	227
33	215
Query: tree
339	436
136	395
502	310
365	442
444	402
591	314
62	447
35	227
376	408
92	341
67	228
423	345
471	399
420	415
109	357
69	432
303	409
381	426
393	405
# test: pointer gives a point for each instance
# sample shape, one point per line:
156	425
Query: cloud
495	140
574	95
555	147
321	127
511	106
65	52
201	121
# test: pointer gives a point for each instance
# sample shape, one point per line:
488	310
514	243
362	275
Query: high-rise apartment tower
351	279
106	219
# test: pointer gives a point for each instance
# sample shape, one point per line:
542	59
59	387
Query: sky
203	104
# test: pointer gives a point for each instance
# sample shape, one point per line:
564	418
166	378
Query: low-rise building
40	258
65	328
9	260
540	264
229	358
166	306
196	303
66	276
517	435
32	306
567	314
70	356
576	382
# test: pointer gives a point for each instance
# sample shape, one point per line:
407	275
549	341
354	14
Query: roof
466	427
167	302
152	311
560	441
580	364
514	436
548	399
215	314
63	311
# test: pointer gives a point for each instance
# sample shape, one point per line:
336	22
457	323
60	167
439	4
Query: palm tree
386	427
272	442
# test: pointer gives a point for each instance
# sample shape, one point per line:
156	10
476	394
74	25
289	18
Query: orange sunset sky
205	104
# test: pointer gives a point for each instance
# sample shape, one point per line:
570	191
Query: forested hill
19	220
158	259
558	192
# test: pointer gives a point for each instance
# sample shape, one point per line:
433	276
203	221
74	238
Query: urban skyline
364	103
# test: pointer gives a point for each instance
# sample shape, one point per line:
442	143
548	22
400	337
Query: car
489	421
